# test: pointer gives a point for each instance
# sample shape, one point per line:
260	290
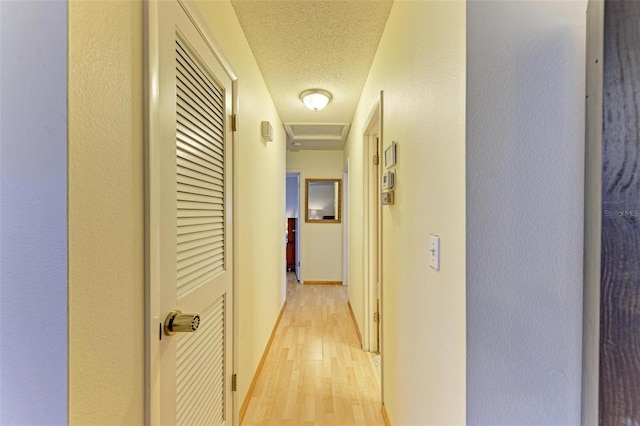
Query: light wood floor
315	372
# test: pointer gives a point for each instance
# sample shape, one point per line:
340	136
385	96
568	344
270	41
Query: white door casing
189	219
372	241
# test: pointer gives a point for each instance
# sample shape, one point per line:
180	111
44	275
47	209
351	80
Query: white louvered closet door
194	233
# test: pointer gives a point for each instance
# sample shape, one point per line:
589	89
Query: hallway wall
321	256
525	182
420	65
33	213
106	217
106	214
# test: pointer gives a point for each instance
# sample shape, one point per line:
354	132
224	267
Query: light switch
434	252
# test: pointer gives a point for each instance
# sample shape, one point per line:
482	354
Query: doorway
345	225
372	140
292	209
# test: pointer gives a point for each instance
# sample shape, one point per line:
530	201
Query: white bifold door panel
189	221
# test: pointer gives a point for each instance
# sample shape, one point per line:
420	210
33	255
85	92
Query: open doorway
345	225
372	140
292	238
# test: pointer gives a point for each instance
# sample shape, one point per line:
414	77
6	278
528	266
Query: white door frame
152	125
345	224
372	249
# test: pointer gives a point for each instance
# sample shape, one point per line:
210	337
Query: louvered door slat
210	238
213	241
204	146
188	114
188	221
195	85
196	250
202	131
201	354
185	76
196	141
210	241
194	346
199	183
197	190
191	98
197	265
194	262
186	64
187	134
194	166
188	205
201	161
195	116
200	213
184	126
186	254
196	198
193	229
198	349
191	282
195	149
200	371
194	69
200	235
184	171
193	174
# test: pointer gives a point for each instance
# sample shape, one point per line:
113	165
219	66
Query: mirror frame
338	218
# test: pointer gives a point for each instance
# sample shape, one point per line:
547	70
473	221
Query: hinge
376	159
234	382
234	122
376	317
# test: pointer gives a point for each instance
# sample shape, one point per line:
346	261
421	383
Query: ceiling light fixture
315	99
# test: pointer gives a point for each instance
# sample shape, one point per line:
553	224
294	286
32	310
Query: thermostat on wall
388	180
386	198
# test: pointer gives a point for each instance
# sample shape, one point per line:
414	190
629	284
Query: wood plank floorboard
315	372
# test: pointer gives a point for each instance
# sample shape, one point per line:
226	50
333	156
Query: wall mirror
323	199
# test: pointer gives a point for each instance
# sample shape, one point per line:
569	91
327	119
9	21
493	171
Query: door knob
177	322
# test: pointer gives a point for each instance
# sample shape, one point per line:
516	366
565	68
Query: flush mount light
315	99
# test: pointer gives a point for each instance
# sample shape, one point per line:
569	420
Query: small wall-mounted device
388	180
434	252
267	131
386	198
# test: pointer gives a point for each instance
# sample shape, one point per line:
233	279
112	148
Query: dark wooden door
291	244
620	247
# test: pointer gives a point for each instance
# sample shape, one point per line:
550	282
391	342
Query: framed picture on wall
390	155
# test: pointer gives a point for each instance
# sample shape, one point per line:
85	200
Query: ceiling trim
316	135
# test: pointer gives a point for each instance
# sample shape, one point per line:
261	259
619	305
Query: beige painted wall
106	241
321	254
420	65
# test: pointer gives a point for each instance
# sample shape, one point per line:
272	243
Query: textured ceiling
305	44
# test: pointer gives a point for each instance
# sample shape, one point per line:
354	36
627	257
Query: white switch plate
434	252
